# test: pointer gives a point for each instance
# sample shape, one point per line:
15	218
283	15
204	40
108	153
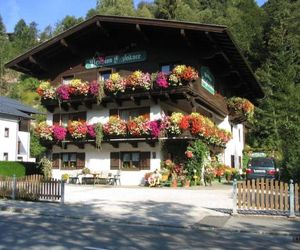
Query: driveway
177	206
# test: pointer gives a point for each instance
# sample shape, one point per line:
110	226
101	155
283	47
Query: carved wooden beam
183	34
38	63
99	25
69	46
114	144
138	28
151	143
135	100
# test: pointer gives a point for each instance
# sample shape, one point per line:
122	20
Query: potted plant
115	127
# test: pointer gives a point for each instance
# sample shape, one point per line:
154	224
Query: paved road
19	231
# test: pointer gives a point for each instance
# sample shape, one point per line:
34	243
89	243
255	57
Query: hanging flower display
240	107
91	131
77	129
44	131
161	80
138	79
63	92
46	91
185	73
59	132
115	83
78	87
155	128
94	88
115	127
139	126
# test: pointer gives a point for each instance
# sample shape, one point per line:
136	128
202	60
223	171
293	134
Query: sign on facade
103	61
207	80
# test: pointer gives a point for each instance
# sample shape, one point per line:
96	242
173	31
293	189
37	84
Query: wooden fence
264	194
33	187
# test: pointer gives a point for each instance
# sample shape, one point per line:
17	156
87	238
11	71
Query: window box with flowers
240	109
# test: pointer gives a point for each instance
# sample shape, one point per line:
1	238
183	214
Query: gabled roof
36	61
12	107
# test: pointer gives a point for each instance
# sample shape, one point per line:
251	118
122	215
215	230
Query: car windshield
261	162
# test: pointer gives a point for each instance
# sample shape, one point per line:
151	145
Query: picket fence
32	187
266	194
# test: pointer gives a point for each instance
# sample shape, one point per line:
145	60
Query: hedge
9	168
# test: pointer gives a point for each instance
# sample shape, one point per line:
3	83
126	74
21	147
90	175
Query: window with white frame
6	132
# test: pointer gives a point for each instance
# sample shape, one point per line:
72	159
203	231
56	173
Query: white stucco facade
15	144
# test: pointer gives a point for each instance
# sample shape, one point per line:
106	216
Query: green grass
8	168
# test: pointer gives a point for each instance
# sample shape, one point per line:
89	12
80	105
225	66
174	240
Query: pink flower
155	128
63	92
161	80
94	88
59	133
91	131
189	154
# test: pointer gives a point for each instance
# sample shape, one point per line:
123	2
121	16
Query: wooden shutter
80	160
114	160
56	118
55	160
113	112
145	160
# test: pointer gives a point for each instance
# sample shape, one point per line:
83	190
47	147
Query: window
130	159
127	114
24	125
5	156
167	68
104	75
69	160
19	147
67	79
65	118
232	161
6	132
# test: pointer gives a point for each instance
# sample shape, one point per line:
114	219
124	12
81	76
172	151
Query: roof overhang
32	62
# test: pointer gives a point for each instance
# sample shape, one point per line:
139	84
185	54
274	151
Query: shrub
65	177
10	168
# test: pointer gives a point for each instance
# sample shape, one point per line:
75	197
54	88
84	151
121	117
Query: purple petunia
63	92
94	88
91	131
161	80
155	128
59	132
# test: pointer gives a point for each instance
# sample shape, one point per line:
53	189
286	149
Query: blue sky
45	12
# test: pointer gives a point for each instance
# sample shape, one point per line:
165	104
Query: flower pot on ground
174	183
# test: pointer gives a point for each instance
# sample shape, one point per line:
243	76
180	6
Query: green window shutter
114	160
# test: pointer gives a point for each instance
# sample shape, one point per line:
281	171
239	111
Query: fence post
234	194
62	198
14	187
292	200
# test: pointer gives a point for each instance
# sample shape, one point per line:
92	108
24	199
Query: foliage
46	167
99	134
86	171
200	155
10	168
36	149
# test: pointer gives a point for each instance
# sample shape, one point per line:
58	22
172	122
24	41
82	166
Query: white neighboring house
15	120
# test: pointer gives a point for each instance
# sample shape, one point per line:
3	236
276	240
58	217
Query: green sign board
103	61
207	80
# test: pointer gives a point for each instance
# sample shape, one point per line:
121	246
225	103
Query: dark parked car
261	167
